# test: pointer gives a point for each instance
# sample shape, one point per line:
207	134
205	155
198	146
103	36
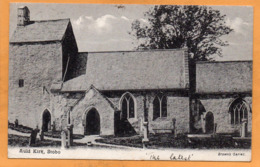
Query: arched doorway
92	122
209	122
46	121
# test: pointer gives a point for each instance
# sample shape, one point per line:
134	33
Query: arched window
238	111
164	106
127	106
156	108
159	107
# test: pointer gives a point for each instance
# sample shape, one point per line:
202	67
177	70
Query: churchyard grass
23	141
181	141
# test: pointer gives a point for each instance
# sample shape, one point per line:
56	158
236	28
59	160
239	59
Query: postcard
130	82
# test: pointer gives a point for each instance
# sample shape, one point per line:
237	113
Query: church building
52	85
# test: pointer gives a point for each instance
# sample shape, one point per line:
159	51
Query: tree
198	28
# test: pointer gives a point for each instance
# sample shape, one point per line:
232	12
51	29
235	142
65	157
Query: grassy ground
22	141
168	141
20	128
53	134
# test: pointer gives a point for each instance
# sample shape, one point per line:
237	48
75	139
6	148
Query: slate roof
221	77
133	70
40	31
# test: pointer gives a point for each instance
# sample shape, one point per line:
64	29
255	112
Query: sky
99	27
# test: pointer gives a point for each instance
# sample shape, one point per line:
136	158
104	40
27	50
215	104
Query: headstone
244	128
63	139
16	123
33	136
145	139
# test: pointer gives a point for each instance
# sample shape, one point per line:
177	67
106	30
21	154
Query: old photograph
130	82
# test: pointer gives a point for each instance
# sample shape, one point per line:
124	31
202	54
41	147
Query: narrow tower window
21	83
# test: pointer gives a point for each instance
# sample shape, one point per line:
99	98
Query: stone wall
93	99
220	109
38	64
139	110
178	109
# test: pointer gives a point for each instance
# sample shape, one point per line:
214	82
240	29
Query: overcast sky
107	27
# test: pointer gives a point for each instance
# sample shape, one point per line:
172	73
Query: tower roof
40	31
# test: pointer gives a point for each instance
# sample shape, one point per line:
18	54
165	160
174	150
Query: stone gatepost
70	135
174	127
145	139
141	126
243	132
42	135
33	136
63	139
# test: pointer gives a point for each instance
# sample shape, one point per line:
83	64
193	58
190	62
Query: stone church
52	85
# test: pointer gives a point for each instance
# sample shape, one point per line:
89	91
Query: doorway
92	123
209	123
46	121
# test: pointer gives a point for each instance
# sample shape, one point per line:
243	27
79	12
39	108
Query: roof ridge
38	21
228	61
148	50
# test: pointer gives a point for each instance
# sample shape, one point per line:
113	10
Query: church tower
40	53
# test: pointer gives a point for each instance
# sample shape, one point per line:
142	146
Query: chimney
23	16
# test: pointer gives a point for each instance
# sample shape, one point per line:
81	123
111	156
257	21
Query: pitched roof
40	31
221	77
133	70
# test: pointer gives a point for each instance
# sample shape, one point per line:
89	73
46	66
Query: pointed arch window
159	107
127	106
156	108
238	112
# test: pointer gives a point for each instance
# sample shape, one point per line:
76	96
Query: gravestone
16	123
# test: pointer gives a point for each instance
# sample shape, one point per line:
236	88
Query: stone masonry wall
38	64
93	99
139	111
178	109
220	109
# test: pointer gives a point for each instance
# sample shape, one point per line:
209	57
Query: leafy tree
198	28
